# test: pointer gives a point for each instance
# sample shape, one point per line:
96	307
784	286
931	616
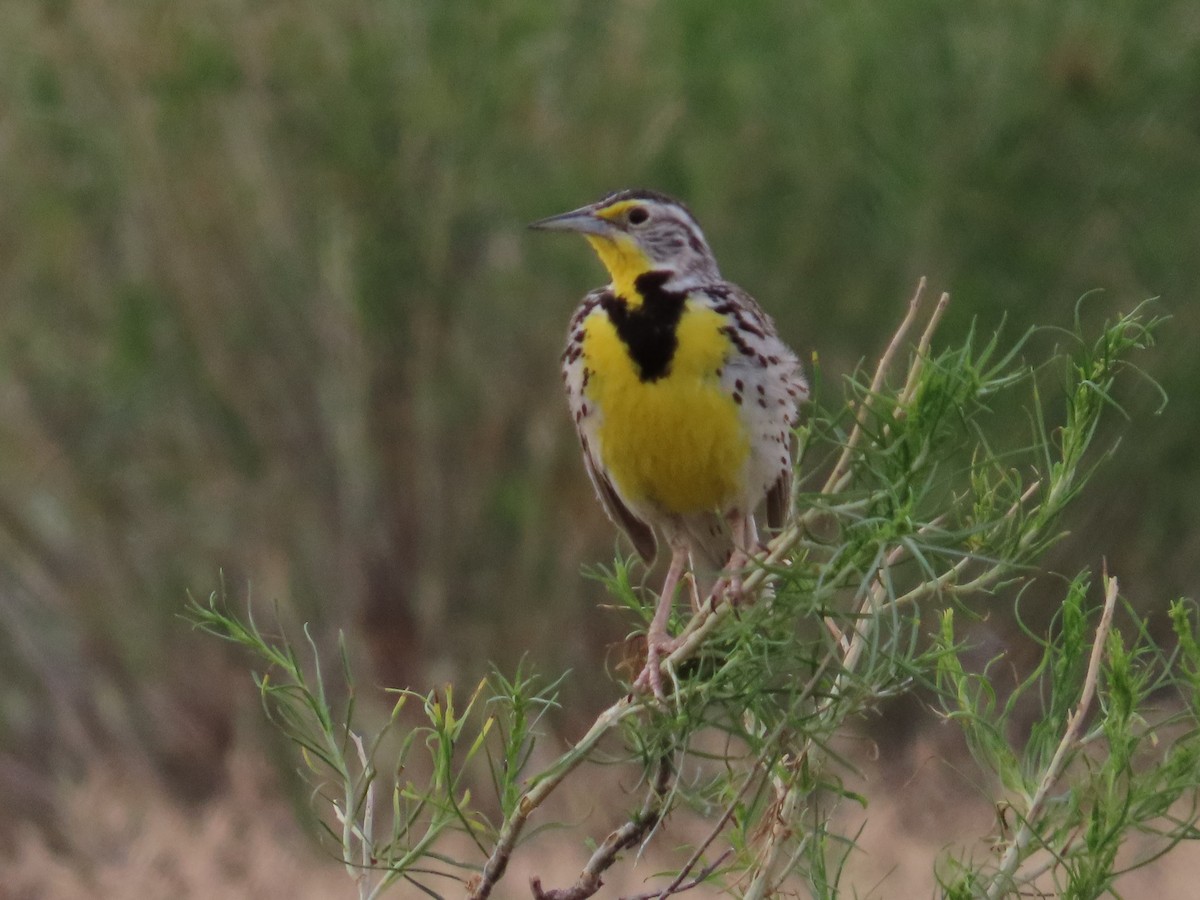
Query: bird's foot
729	587
658	648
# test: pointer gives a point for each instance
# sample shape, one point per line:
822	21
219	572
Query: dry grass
130	839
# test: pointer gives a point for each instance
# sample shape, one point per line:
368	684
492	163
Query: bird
683	397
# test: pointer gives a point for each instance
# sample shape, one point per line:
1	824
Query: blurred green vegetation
269	307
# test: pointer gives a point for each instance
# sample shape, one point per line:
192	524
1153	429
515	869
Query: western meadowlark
682	394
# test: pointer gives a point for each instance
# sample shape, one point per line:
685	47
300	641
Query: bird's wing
779	500
765	378
639	533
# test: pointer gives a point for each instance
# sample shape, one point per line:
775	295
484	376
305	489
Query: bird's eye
638	215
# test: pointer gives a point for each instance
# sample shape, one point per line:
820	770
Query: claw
657	649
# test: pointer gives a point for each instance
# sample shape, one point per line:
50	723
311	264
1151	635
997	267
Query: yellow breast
676	442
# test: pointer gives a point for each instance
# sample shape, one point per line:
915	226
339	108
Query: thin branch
914	373
788	796
1011	861
850	653
678	887
762	885
841	471
493	871
627	835
366	836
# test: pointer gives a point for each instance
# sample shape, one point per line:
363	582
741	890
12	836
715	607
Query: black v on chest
649	331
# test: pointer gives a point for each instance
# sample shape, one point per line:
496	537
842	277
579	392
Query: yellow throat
625	261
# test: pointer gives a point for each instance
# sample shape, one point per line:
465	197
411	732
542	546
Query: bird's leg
737	559
658	641
745	542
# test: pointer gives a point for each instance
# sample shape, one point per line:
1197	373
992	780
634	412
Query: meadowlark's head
640	231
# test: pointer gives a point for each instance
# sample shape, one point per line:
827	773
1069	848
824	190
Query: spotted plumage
681	392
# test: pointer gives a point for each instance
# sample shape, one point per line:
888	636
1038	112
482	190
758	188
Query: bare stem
841	472
627	835
493	871
781	828
366	837
1015	852
678	886
914	373
850	652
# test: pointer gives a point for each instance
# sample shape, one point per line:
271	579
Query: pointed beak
583	220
